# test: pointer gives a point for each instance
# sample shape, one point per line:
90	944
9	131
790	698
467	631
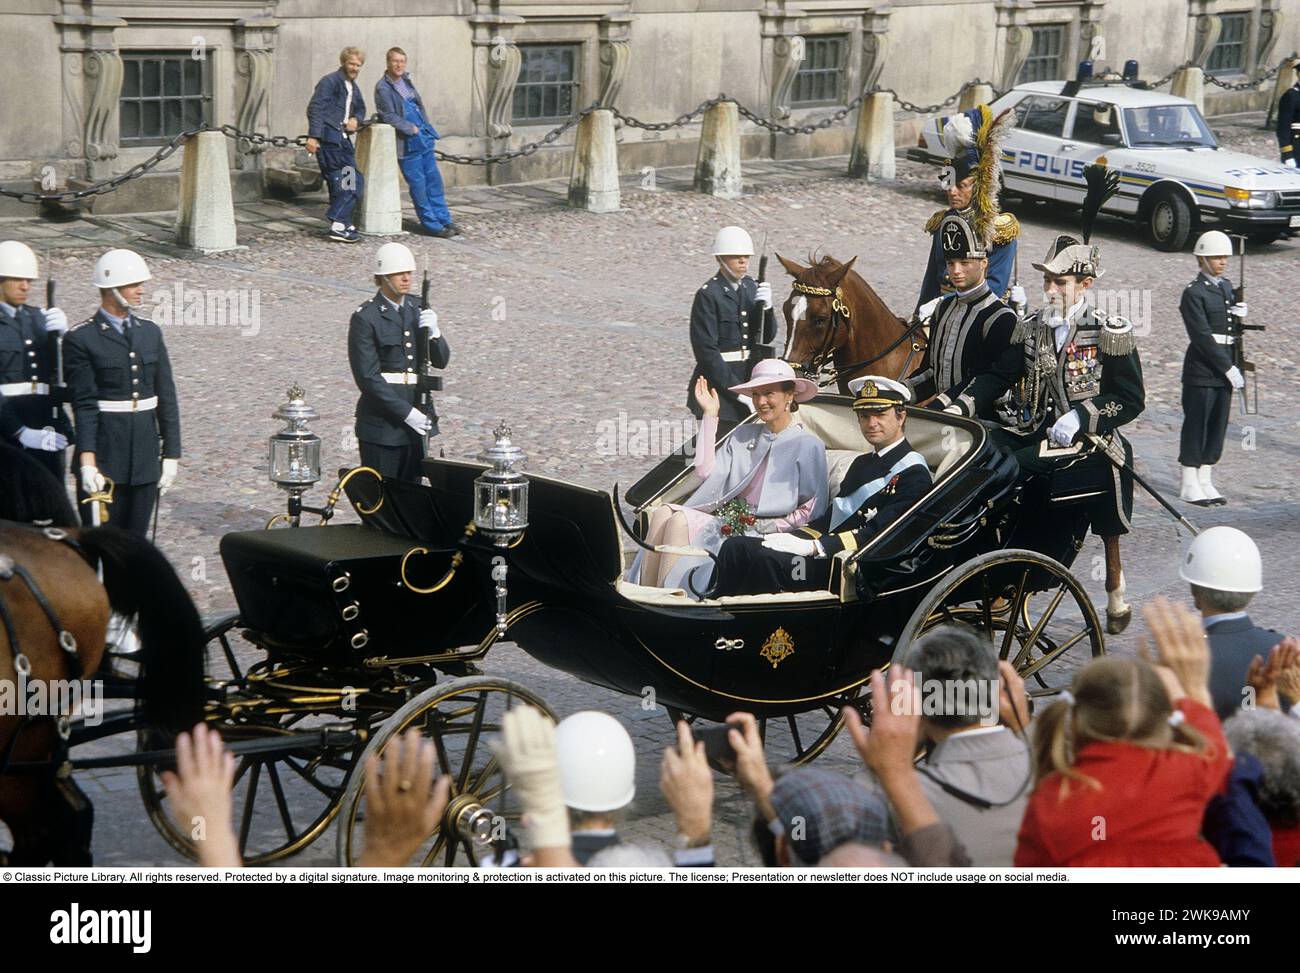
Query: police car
1173	177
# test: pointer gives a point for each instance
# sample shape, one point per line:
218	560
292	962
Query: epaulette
1005	229
1021	331
932	224
82	324
1117	337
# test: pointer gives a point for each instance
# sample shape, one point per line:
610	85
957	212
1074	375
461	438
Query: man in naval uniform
384	345
727	325
1288	122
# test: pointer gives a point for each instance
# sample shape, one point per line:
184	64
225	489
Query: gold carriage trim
778	647
810	290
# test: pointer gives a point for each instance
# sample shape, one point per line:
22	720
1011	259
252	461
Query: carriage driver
877	489
727	325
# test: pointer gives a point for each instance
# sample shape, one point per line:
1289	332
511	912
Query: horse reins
840	313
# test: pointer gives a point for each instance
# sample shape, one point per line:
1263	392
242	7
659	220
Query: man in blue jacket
337	109
400	105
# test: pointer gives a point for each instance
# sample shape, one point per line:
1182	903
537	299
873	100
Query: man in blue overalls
400	106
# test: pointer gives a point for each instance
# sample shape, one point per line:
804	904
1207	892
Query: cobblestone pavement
560	321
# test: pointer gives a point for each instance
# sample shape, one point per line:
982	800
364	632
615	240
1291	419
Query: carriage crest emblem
778	647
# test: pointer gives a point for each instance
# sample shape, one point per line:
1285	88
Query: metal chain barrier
527	149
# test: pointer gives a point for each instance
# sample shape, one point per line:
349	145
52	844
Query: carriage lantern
295	450
501	506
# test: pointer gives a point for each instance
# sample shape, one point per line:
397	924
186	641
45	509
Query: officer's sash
845	507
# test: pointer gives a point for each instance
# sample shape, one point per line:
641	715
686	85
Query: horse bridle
840	314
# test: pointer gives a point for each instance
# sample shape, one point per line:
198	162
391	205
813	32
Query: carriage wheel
1037	613
460	717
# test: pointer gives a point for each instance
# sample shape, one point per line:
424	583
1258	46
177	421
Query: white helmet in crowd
597	762
1213	243
120	268
394	258
1224	559
732	241
17	260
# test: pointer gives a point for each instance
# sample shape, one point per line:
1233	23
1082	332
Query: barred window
1228	56
1045	53
164	93
548	82
820	79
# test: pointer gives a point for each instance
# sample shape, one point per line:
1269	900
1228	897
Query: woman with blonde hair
1127	760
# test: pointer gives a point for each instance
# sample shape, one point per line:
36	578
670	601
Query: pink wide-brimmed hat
774	371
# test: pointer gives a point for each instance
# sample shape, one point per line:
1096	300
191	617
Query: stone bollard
380	211
1189	83
717	165
872	156
205	217
975	95
593	186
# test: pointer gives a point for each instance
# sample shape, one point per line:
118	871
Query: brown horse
54	612
834	318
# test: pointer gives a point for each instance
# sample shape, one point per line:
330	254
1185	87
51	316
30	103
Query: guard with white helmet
30	413
727	325
1223	567
1212	316
386	340
124	406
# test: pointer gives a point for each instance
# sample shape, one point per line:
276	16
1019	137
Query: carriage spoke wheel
1038	615
282	801
462	717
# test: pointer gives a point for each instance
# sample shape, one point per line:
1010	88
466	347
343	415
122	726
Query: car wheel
1169	221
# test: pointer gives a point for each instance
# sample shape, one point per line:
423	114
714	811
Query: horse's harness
67	642
840	315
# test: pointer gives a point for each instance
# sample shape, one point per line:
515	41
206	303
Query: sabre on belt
1121	463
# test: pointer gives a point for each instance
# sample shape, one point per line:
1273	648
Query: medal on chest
1082	371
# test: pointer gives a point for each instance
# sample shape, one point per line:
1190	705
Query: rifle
767	332
427	383
56	398
1239	327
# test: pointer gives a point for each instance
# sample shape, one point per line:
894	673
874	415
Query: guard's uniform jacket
1288	123
1002	255
728	341
970	360
384	354
1207	393
1096	373
27	380
123	405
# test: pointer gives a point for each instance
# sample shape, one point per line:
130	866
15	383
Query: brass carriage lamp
501	506
295	451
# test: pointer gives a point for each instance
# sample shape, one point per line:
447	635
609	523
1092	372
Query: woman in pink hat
775	465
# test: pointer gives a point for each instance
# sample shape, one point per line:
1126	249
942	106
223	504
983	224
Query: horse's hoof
1116	622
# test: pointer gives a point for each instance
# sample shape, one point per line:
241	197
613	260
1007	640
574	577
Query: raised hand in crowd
527	753
687	785
1182	647
752	772
1280	673
1013	702
199	790
403	804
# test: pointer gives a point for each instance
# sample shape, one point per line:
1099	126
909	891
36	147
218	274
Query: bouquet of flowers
737	516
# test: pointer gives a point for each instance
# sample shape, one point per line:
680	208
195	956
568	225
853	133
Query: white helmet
1213	243
394	258
597	762
17	260
732	241
1224	559
120	268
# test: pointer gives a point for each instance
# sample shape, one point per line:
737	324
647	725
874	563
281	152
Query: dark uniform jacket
101	364
1234	642
970	360
27	354
1204	307
1288	123
1002	255
727	339
328	102
880	509
382	341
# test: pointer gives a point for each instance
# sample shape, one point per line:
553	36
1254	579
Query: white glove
56	322
1018	297
789	544
1065	429
418	421
1234	376
429	321
764	294
44	439
1290	163
526	750
92	481
1239	309
169	470
953	410
926	310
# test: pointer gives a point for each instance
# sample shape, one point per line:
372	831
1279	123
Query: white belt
128	405
15	389
742	355
1224	339
400	378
